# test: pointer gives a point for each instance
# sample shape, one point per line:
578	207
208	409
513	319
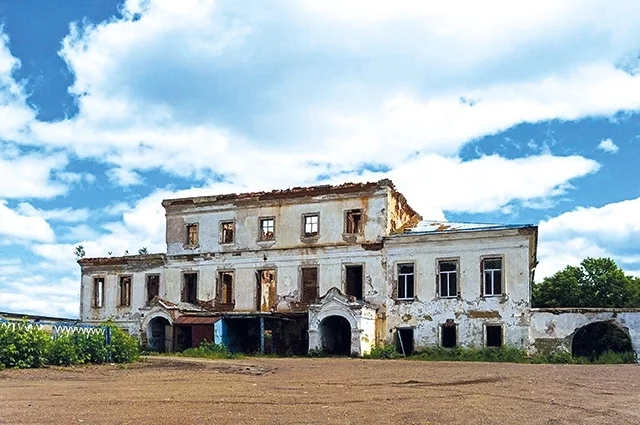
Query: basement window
125	291
192	234
353	221
225	293
494	335
267	229
189	292
227	231
98	292
404	341
449	334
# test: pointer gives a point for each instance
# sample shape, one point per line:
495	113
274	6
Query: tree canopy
597	282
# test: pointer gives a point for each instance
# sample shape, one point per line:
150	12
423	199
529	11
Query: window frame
446	326
129	290
503	286
486	333
311	235
146	286
221	230
346	221
301	279
344	278
220	281
397	265
183	286
458	291
94	295
188	242
260	229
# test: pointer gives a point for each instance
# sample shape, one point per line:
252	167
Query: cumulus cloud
122	177
608	146
23	227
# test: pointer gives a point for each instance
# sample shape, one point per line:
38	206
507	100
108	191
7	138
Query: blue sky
491	112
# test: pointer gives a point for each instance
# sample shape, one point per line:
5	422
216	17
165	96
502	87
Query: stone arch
597	337
159	331
335	335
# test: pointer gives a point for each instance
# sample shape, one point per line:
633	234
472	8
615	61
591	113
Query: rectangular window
267	229
311	225
494	335
354	280
225	293
192	234
125	291
404	341
227	231
353	221
153	287
189	288
309	284
405	281
448	278
492	276
98	292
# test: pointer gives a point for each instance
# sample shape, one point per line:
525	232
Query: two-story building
337	268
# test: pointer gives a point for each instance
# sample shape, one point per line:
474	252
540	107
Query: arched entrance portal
594	339
157	336
335	334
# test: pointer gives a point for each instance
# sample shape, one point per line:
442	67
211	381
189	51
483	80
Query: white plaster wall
471	312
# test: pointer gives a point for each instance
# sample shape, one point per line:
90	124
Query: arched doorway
335	334
157	335
594	339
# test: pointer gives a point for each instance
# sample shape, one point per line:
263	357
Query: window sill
310	239
405	300
187	246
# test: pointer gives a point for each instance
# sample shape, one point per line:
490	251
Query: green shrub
383	352
91	347
612	357
124	348
209	350
63	351
317	352
23	346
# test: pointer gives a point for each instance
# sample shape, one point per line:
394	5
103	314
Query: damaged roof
295	192
434	226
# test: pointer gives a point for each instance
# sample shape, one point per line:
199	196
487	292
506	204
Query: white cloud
607	145
68	215
608	231
23	227
123	177
29	175
37	294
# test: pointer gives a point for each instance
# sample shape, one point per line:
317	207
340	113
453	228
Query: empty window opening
448	278
449	334
494	335
309	284
406	280
266	290
125	291
335	334
153	287
353	275
98	292
492	276
189	288
595	339
225	280
404	341
353	221
192	234
311	225
227	232
267	229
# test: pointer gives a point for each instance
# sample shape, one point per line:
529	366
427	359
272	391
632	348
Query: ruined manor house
334	268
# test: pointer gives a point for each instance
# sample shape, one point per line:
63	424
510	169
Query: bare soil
162	390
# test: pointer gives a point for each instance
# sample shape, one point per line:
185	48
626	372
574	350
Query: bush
209	350
383	352
23	346
124	348
63	351
91	347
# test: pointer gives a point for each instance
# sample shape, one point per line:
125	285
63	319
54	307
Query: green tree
597	282
79	252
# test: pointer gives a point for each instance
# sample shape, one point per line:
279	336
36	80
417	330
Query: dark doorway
404	341
309	284
157	336
597	338
354	281
449	335
494	335
335	333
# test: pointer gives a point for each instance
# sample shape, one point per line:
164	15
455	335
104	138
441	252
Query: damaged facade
337	268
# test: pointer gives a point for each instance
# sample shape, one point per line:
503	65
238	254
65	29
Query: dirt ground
318	391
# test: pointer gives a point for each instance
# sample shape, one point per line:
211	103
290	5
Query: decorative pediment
334	295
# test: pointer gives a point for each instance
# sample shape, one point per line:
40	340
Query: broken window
266	290
311	225
448	278
404	341
494	335
225	293
449	333
267	229
492	276
227	232
405	281
153	287
125	291
98	292
353	221
353	275
189	288
309	284
192	234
